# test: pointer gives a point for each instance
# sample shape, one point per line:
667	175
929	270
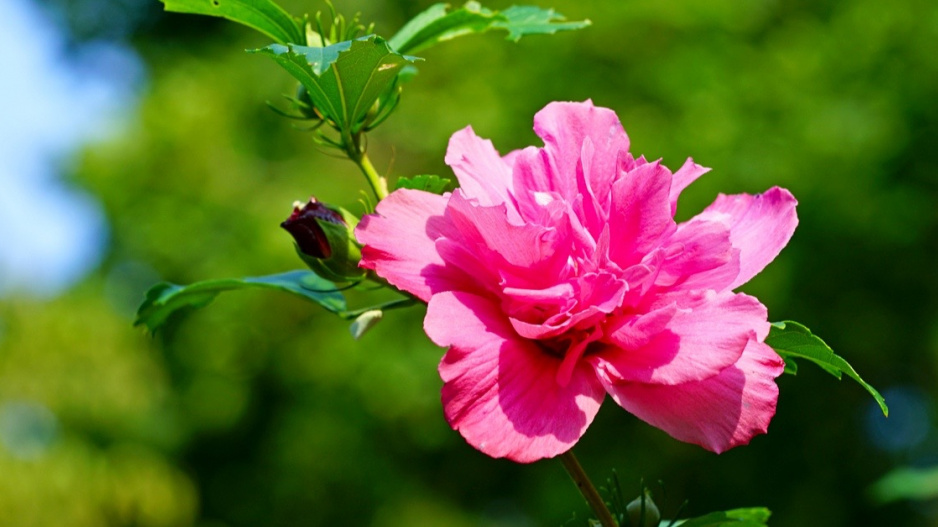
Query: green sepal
342	264
792	340
164	299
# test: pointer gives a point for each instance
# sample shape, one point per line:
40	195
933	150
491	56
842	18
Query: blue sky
52	100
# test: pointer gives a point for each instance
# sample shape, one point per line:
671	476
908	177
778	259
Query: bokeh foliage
261	410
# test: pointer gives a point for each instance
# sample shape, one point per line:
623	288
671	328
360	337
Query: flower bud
652	516
324	240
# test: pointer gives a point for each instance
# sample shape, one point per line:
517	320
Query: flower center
570	348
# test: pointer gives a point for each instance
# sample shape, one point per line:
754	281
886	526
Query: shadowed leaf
164	299
751	517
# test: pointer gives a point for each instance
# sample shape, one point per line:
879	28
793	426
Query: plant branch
376	181
393	304
586	488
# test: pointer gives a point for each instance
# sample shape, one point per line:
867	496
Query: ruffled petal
526	255
685	175
699	255
760	227
565	127
547	313
482	174
640	214
399	244
534	182
675	343
500	391
719	413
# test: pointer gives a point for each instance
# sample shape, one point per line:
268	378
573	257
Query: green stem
378	184
393	304
354	149
586	488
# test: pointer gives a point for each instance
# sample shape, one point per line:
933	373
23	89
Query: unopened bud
364	322
324	240
305	225
651	516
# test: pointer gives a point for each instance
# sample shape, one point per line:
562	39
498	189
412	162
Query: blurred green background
261	410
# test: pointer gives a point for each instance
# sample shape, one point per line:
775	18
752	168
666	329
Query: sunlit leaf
343	80
751	517
434	184
531	20
792	341
262	15
164	299
438	23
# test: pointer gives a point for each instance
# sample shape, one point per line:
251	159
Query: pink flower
557	275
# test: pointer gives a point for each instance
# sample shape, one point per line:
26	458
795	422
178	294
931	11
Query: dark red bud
303	225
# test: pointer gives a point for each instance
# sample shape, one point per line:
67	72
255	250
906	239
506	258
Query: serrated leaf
437	24
345	79
428	183
530	20
792	340
264	16
164	299
750	517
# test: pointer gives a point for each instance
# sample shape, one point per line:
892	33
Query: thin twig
589	492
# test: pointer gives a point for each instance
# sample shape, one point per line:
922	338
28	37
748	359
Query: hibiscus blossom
558	275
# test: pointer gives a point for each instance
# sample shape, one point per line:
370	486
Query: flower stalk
378	184
587	489
356	152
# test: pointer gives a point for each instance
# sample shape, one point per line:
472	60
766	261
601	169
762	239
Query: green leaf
906	483
792	340
751	517
438	24
530	20
262	15
164	299
433	184
343	80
